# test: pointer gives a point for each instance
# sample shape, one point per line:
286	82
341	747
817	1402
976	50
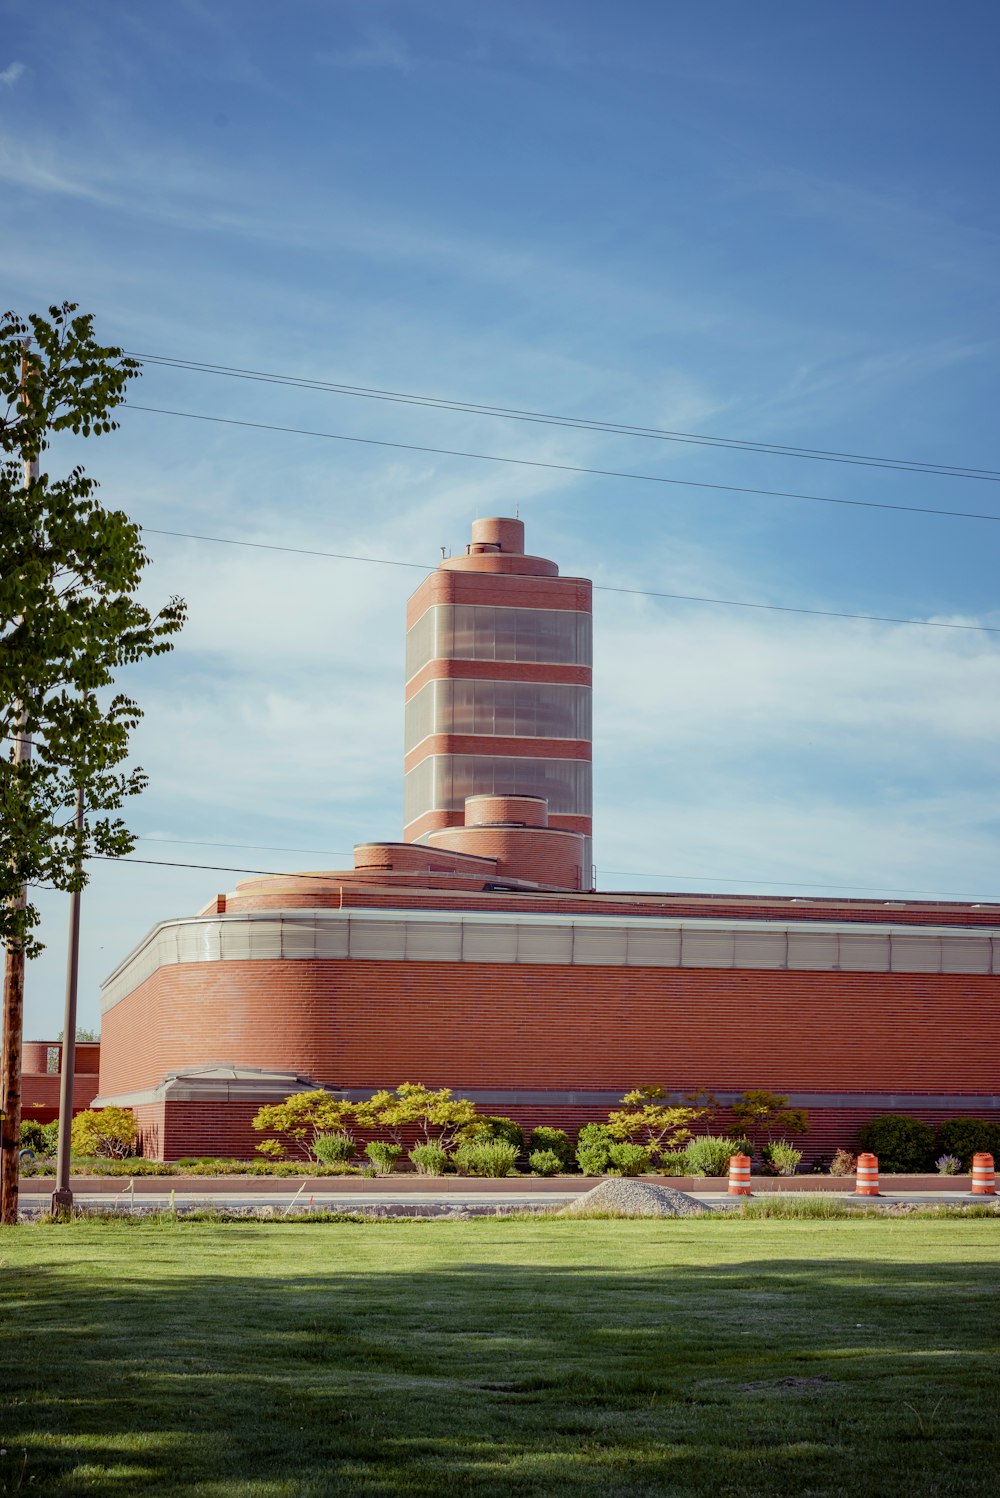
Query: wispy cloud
12	73
381	48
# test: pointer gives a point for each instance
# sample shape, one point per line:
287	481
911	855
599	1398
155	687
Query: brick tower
498	706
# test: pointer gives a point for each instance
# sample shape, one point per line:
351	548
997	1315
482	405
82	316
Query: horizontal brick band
478	937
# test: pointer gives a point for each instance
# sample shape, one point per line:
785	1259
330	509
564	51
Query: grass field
700	1358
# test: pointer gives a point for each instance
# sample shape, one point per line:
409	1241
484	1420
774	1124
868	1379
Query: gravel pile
634	1198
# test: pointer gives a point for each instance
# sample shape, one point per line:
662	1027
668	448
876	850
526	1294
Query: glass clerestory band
481	632
442	781
509	709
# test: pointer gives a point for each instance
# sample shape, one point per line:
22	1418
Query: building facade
475	953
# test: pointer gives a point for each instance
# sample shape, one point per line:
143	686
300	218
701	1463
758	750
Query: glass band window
480	632
512	709
442	781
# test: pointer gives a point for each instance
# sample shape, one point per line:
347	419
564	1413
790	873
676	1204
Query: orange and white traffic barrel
984	1178
866	1178
739	1175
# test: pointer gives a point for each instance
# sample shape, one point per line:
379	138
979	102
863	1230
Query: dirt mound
632	1198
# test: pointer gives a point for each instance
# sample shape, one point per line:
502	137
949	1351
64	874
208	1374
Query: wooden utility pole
13	977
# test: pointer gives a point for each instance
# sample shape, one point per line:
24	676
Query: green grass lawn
493	1357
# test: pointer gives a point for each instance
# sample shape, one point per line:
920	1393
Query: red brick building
41	1061
476	955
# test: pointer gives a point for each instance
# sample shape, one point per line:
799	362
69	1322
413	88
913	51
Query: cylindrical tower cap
500	531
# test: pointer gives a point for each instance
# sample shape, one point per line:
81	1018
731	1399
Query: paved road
36	1199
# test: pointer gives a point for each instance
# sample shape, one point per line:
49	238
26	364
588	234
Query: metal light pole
62	1197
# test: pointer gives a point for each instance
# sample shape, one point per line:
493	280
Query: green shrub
709	1154
42	1138
966	1137
490	1127
100	1165
781	1158
556	1140
593	1149
486	1157
628	1159
429	1159
383	1155
545	1163
334	1149
282	1169
673	1163
110	1132
903	1145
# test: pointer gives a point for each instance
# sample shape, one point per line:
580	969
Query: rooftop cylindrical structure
498	688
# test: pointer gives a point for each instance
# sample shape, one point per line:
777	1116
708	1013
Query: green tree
768	1113
303	1117
649	1115
69	618
437	1117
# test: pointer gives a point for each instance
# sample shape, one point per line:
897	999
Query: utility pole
13	977
62	1197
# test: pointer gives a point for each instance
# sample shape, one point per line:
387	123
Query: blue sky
769	222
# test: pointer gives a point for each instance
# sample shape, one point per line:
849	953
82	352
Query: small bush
100	1165
334	1149
966	1137
42	1138
556	1140
544	1163
948	1165
673	1163
709	1155
628	1159
781	1158
490	1127
282	1169
843	1163
903	1145
110	1132
429	1159
486	1157
593	1149
383	1155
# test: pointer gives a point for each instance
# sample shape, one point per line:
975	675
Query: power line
607	473
300	551
214	868
574	423
217	868
732	603
192	842
618	873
